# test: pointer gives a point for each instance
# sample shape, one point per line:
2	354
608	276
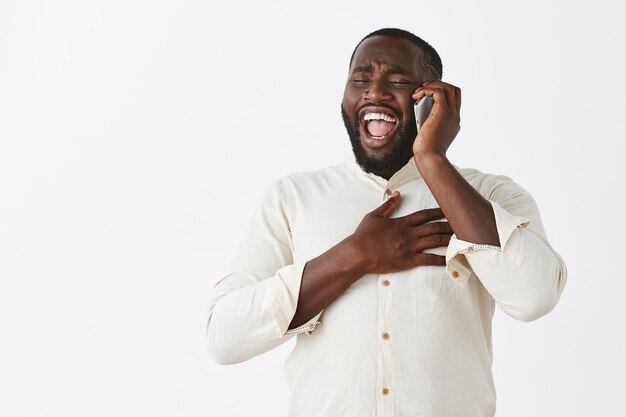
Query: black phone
422	110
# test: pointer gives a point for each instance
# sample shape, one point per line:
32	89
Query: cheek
406	104
352	94
349	99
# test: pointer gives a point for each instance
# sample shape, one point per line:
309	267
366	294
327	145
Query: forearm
470	215
326	277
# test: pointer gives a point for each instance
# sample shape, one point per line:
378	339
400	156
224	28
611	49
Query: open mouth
379	125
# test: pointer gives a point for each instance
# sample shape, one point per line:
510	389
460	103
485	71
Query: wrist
426	155
355	255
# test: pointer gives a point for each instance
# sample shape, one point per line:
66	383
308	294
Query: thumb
388	207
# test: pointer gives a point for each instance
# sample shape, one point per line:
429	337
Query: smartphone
422	110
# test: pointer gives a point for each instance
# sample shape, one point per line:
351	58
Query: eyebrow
396	70
369	68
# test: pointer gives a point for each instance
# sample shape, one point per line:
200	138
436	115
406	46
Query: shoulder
301	181
293	186
292	192
492	186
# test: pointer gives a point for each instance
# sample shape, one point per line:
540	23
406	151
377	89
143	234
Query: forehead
388	51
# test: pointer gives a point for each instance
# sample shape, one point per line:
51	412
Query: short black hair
431	60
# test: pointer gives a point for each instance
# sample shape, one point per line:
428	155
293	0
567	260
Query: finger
450	93
423	216
429	259
438	95
418	94
388	207
457	94
432	241
432	228
435	91
438	86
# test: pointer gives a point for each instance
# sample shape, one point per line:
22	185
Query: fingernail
426	82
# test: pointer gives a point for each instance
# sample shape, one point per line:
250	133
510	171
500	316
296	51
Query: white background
137	137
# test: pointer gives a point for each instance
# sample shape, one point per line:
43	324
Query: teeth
379	116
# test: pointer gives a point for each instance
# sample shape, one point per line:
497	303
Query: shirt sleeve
524	275
251	308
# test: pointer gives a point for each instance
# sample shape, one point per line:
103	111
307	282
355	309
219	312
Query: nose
378	92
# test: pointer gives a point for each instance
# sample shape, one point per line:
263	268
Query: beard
396	158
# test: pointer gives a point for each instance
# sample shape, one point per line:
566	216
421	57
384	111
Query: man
405	289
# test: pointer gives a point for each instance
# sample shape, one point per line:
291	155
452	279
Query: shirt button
455	274
386	283
385	391
386	336
388	192
470	248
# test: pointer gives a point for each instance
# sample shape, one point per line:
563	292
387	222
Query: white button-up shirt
406	344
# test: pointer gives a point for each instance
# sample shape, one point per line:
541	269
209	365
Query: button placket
384	404
385	366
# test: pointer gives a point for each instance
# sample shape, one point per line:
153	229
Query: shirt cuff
457	266
308	327
283	305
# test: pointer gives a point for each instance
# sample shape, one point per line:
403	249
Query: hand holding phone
444	125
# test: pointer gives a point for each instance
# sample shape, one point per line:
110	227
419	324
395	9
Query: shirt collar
407	173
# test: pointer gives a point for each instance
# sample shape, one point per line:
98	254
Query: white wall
137	136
